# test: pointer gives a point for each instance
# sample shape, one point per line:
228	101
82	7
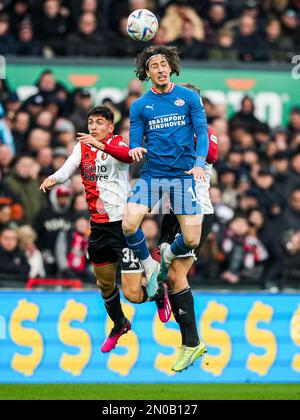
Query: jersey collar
156	92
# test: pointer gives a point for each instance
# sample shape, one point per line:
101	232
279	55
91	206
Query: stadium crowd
255	191
249	30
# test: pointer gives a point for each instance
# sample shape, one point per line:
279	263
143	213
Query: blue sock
137	243
179	247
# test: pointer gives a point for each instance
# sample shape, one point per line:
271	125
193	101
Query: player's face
159	72
100	127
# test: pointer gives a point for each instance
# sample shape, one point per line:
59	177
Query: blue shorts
163	194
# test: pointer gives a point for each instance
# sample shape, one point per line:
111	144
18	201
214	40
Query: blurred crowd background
256	183
250	30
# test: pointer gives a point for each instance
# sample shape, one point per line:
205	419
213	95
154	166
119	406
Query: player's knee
129	228
132	295
105	288
192	242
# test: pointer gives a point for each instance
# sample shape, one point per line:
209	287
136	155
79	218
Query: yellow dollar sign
215	312
167	337
75	337
258	337
124	364
295	334
26	337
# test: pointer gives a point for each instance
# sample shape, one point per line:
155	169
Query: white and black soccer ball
142	25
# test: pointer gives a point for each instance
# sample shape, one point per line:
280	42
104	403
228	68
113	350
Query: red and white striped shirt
105	176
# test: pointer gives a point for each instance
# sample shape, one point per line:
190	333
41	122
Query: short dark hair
171	54
102	111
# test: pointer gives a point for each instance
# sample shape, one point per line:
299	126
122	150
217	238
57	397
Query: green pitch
150	392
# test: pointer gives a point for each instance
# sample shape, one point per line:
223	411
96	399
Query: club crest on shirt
104	156
179	102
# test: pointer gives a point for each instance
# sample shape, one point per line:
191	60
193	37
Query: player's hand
138	153
89	139
198	173
48	184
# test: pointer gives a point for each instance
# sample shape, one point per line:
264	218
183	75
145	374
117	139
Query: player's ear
111	128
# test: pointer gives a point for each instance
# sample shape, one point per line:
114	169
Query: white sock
149	265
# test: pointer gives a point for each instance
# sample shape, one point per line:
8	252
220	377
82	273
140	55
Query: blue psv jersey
168	122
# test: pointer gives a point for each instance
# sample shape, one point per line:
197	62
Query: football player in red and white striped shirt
103	159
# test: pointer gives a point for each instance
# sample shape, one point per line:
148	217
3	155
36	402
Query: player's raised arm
199	122
65	172
117	148
137	131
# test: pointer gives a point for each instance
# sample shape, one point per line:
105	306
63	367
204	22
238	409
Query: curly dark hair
171	54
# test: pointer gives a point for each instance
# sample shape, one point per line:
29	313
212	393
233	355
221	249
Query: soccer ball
142	25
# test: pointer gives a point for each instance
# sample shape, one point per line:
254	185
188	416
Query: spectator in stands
224	47
48	87
245	117
65	133
282	174
263	230
5	216
52	26
279	47
80	204
83	105
216	19
38	138
249	44
60	155
190	47
26	189
175	16
269	197
294	121
291	216
227	182
45	160
290	24
13	105
295	167
5	132
7	40
21	127
6	160
13	262
244	254
71	250
27	45
19	10
86	41
8	198
50	221
27	238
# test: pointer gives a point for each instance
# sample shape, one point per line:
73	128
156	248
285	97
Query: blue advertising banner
48	337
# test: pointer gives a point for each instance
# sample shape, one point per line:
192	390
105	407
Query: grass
150	392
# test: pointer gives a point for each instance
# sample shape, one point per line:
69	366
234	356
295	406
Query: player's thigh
133	217
131	285
106	277
191	229
178	272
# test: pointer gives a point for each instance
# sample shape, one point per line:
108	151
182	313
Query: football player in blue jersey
163	124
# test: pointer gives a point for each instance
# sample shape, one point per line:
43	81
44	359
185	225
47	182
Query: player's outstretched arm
198	173
138	153
65	172
88	139
48	184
